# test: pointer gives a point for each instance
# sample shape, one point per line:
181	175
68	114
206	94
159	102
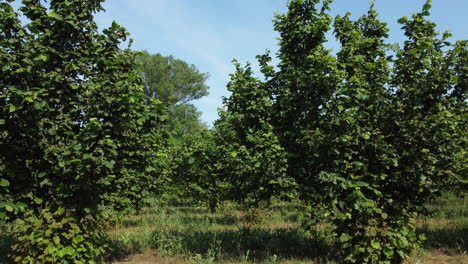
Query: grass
177	234
447	227
182	234
231	236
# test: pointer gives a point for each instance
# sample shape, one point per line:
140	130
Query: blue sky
211	33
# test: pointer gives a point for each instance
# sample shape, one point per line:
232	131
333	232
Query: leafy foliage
371	137
256	161
171	80
59	237
199	170
183	120
175	83
77	132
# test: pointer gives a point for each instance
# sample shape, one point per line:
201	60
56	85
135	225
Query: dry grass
150	257
438	257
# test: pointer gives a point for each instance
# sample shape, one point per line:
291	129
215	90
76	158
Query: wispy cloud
184	29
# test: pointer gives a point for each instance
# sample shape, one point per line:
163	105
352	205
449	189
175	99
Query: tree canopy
175	83
170	80
371	133
364	137
76	135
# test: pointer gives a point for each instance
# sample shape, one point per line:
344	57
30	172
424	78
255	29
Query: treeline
364	136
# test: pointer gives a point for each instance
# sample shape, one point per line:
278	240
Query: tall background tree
190	159
176	84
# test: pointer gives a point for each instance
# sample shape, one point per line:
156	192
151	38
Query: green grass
449	206
228	235
232	236
184	234
447	226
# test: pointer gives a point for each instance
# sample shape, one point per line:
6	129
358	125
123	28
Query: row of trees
74	132
364	137
84	127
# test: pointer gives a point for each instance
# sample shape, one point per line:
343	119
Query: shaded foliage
199	171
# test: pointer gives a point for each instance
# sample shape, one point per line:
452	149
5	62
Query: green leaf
9	208
2	121
104	214
375	244
71	67
54	15
41	57
353	79
66	251
40	105
77	239
38	200
60	211
56	240
388	252
4	183
403	20
366	135
12	108
109	164
427	6
358	184
344	237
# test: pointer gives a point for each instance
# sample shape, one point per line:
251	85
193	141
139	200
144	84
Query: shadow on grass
261	243
449	237
256	243
186	210
5	243
225	220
